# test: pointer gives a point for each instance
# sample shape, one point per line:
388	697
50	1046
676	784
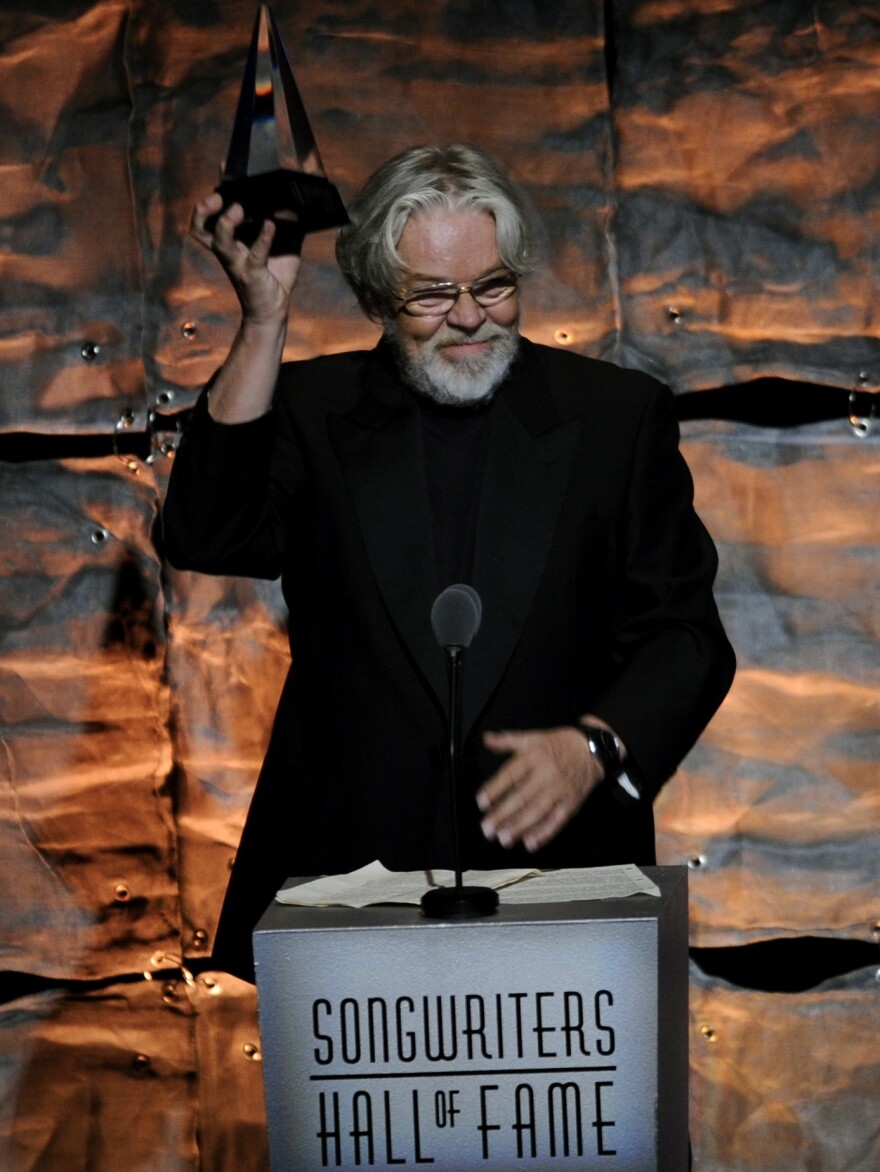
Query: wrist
263	330
606	749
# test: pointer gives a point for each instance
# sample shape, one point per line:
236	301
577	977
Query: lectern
545	1036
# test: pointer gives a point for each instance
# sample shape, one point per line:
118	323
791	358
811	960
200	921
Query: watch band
605	747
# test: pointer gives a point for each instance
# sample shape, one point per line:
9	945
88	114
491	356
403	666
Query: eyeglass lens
441	298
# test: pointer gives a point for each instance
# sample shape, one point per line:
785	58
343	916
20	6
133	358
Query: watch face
606	744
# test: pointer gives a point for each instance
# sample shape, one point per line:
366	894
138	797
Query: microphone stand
458	902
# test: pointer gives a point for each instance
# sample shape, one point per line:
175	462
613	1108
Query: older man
456	451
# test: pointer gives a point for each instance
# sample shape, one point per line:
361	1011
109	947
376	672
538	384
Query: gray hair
420	179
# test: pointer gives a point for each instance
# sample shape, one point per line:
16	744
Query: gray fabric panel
779	801
785	1081
748	188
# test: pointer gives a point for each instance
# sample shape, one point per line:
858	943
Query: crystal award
273	168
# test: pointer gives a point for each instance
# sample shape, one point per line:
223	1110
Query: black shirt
454	440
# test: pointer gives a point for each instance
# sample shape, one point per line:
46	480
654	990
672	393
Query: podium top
672	881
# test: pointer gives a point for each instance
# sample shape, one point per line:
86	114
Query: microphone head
455	616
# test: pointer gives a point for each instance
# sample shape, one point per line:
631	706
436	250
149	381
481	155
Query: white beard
461	380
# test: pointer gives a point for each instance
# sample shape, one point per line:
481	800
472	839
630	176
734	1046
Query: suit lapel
379	447
531	452
528	465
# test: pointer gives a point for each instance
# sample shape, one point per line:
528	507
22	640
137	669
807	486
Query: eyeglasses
438	300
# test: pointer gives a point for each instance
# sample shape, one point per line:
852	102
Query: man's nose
467	313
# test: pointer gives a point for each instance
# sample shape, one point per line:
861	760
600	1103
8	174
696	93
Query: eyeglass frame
444	287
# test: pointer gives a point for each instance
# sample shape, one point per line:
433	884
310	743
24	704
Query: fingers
263	283
262	246
500	793
546	828
522	800
215	226
538	789
210	206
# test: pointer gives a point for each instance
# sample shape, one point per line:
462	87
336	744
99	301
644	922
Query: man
456	451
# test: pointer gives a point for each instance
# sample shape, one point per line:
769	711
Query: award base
296	202
459	903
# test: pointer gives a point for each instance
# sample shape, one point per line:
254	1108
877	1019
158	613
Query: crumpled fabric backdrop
709	177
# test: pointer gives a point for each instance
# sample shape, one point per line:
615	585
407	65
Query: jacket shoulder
328	382
573	375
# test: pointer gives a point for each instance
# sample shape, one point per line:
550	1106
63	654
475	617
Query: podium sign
543	1037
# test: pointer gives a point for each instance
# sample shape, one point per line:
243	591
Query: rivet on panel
200	938
708	1033
99	536
675	314
875	931
141	1062
696	861
860	424
252	1052
864	376
164	398
212	986
190	330
90	351
121	893
564	337
170	993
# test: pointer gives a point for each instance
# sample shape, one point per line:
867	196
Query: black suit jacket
594	572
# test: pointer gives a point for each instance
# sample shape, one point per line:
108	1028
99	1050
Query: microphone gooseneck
455	618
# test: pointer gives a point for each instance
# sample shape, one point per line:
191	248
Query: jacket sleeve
224	508
674	663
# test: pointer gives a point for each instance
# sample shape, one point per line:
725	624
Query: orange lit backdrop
709	175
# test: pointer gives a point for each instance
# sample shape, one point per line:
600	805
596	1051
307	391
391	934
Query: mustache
455	336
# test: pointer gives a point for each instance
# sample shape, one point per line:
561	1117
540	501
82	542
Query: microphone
455	619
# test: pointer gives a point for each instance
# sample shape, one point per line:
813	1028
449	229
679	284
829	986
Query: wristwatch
605	747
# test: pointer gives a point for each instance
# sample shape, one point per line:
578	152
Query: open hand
543	783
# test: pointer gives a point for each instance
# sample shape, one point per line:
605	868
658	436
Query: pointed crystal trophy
273	168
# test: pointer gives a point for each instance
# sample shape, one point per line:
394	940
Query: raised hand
262	283
245	384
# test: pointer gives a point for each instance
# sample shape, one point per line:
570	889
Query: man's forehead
449	245
431	278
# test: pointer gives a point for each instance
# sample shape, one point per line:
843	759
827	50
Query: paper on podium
375	884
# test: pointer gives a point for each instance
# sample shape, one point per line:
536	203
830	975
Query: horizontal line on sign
362	1077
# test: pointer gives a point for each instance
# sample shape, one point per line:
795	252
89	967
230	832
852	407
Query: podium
545	1036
